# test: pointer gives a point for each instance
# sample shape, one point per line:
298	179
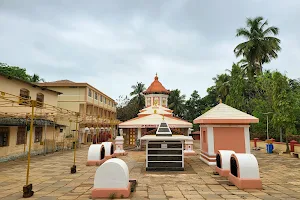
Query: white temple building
149	118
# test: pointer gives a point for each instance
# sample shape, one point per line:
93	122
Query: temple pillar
139	135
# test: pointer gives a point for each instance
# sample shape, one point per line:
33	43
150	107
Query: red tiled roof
156	87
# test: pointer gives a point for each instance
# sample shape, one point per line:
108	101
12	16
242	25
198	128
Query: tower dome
156	94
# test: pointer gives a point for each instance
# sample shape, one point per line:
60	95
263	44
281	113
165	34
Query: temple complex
149	118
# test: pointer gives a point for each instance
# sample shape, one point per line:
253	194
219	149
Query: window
148	101
24	97
96	96
21	135
90	92
104	100
164	102
38	134
39	100
4	132
101	98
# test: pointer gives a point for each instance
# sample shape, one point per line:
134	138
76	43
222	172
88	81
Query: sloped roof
224	114
156	88
29	83
155	120
62	81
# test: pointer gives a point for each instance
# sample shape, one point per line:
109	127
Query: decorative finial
220	100
156	77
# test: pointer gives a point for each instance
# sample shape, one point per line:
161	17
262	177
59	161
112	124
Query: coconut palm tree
36	78
138	94
260	46
176	102
222	85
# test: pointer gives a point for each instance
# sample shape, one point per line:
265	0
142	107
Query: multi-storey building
96	109
15	117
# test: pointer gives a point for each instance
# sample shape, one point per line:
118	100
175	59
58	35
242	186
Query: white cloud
114	45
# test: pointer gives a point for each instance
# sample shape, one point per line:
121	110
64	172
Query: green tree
236	96
260	46
283	105
222	85
138	94
18	72
193	108
36	78
14	71
176	102
127	108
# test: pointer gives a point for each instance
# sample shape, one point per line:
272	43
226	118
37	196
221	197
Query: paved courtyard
51	179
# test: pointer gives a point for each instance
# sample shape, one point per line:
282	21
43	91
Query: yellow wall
13	87
13	149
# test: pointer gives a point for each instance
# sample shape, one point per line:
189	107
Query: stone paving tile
51	179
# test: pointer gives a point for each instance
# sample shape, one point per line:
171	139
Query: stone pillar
139	133
119	141
189	151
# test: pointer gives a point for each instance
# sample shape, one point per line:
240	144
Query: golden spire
220	100
163	117
156	77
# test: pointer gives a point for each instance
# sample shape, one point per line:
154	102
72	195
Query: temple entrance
132	136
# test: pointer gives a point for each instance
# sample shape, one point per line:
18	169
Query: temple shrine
149	118
224	128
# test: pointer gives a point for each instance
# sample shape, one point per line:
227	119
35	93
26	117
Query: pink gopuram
223	128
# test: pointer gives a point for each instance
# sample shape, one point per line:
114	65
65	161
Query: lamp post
267	113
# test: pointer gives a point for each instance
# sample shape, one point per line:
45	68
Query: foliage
127	108
260	46
247	87
176	102
235	96
18	72
138	94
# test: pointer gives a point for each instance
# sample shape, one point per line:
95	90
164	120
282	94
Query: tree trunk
281	135
287	142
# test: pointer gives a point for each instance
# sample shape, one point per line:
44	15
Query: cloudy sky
114	44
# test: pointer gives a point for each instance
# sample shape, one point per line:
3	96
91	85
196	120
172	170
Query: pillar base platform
245	183
189	153
222	172
107	192
95	162
121	153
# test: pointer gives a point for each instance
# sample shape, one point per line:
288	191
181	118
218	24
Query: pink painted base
121	154
222	172
190	153
106	192
245	183
95	162
108	157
